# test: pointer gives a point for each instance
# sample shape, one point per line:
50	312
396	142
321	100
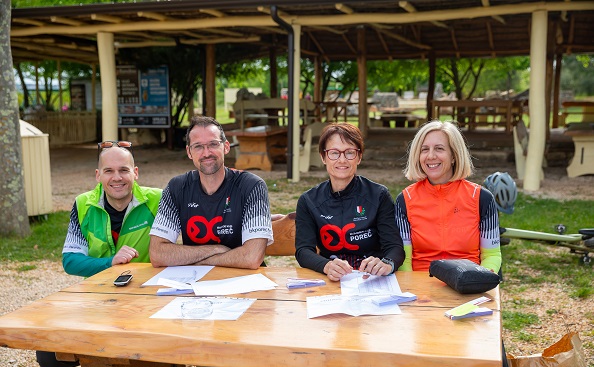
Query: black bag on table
463	275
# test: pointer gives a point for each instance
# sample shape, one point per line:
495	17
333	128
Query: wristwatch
390	262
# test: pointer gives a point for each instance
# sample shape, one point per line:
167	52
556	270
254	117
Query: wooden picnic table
101	324
474	113
259	145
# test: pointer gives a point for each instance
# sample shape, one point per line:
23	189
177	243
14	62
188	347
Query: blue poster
143	97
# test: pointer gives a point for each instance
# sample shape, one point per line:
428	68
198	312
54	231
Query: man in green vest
110	224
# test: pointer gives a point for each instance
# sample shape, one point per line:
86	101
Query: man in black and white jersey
223	214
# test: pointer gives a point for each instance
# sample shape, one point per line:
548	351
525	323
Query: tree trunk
13	217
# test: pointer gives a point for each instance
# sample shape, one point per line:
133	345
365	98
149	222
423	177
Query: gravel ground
20	288
72	173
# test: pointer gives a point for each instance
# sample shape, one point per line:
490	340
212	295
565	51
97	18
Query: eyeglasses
199	148
113	143
334	154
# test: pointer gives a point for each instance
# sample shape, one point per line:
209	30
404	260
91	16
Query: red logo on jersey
193	229
329	231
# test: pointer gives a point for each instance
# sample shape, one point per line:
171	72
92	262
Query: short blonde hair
462	167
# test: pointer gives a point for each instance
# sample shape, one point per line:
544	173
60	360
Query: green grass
45	242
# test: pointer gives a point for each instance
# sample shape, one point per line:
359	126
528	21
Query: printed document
354	284
243	284
349	305
207	308
182	274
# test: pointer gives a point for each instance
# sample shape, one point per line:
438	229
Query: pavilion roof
393	29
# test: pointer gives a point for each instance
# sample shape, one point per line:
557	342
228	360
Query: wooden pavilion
322	31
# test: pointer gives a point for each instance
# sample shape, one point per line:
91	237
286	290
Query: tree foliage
397	75
577	74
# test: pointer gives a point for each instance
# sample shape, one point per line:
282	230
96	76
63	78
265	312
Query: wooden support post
211	95
362	81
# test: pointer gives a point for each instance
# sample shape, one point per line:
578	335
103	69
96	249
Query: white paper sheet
243	284
182	274
353	284
223	308
350	305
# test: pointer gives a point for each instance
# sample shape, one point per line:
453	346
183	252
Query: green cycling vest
96	226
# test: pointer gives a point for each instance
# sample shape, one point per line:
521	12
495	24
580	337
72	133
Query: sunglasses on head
112	143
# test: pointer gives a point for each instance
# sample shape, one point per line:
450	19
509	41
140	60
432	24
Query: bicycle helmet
503	188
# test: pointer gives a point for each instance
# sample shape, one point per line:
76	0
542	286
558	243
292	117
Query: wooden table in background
402	117
489	112
259	145
110	326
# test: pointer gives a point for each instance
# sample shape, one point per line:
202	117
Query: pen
304	283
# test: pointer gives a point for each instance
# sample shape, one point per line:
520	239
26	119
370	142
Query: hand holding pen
337	268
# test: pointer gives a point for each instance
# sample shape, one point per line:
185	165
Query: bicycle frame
577	243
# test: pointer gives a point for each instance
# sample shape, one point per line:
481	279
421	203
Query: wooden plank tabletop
269	333
430	291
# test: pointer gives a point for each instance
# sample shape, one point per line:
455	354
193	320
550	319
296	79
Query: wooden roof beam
225	32
455	43
491	42
153	16
193	34
141	35
559	34
107	18
329	29
564	13
384	44
74	46
28	22
186	33
215	13
58	49
405	40
319	47
486	4
570	37
347	10
411	9
305	21
66	21
343	8
186	42
348	43
35	56
266	10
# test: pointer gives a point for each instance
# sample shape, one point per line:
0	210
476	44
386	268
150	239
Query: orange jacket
444	221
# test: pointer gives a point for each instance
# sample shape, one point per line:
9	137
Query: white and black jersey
238	211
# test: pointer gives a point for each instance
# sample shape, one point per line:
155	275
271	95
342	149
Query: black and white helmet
503	188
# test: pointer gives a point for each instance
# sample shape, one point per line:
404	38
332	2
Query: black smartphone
122	280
